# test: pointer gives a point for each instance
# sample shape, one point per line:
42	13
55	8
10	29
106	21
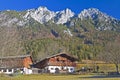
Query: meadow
58	77
102	67
87	76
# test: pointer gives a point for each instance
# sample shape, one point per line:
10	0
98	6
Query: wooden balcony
62	64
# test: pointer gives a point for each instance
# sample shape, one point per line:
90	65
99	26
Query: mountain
63	16
42	32
43	15
94	13
101	20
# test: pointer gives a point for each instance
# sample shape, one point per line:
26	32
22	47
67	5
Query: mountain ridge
88	11
41	32
101	20
43	15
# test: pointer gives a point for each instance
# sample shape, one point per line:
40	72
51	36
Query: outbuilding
13	64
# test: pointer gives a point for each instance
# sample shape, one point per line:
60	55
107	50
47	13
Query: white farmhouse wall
52	68
27	71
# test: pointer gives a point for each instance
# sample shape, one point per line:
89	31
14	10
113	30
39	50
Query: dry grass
102	67
59	77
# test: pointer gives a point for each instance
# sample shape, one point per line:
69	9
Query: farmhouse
12	64
59	63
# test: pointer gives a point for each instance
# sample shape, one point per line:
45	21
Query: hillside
41	32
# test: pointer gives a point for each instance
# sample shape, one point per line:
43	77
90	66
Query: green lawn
58	77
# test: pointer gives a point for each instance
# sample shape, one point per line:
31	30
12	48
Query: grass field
58	77
102	67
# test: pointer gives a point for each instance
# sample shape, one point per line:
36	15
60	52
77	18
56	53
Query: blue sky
111	7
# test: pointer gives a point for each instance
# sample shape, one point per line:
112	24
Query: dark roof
20	56
12	61
64	55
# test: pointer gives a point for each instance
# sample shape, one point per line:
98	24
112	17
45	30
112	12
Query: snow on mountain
63	16
100	20
94	13
68	32
42	14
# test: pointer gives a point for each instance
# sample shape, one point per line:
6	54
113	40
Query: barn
13	64
59	63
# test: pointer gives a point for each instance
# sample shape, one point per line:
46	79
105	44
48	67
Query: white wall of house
52	69
7	71
11	71
27	71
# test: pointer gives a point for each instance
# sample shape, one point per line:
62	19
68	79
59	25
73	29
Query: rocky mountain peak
93	13
41	14
101	20
63	16
42	8
68	11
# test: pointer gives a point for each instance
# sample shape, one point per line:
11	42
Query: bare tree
112	53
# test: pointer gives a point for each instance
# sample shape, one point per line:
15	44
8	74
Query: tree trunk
117	68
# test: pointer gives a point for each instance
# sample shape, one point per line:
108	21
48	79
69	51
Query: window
62	68
67	69
15	70
9	70
57	70
4	70
52	68
21	69
71	69
1	70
